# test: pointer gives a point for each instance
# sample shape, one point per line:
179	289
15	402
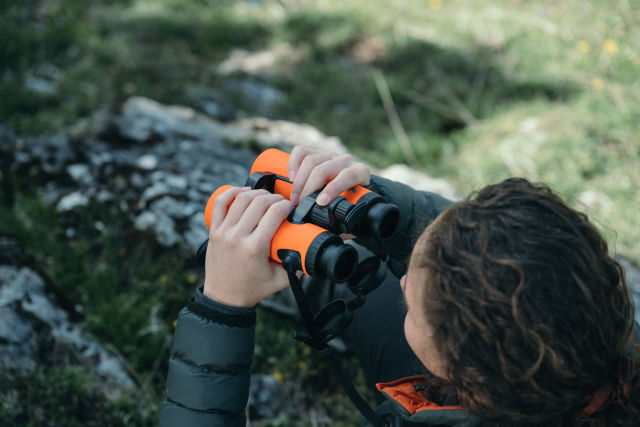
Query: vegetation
480	90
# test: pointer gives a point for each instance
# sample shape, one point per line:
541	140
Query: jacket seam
211	369
202	411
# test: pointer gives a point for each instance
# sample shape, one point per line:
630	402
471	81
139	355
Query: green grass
34	399
484	90
463	77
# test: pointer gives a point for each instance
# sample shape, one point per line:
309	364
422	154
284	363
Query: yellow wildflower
597	83
610	47
278	376
175	322
583	46
435	4
192	277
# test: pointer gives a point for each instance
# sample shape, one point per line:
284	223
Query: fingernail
322	199
292	174
294	198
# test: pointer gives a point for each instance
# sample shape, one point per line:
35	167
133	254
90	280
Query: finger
307	165
297	155
270	222
256	210
239	205
357	174
322	174
280	278
221	205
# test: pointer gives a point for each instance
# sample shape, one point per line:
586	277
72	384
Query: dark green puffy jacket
208	379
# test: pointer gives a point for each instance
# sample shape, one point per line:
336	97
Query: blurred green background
477	91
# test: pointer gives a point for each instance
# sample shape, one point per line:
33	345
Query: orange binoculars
356	211
305	247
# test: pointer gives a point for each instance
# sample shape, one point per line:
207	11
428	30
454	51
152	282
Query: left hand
313	170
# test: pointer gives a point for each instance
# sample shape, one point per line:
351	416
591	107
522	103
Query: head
514	300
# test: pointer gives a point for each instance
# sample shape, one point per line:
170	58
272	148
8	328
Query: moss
63	396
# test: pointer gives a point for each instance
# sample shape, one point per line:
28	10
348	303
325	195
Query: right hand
310	170
238	270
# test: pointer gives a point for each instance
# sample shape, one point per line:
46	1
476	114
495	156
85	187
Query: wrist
226	298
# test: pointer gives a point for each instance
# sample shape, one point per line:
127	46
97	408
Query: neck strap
316	340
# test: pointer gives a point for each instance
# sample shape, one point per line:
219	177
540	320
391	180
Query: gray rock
157	189
162	225
145	221
176	182
104	196
165	229
143	119
12	328
29	319
40	85
148	162
72	201
284	135
51	154
138	181
265	397
213	103
196	232
79	172
174	208
100	158
262	97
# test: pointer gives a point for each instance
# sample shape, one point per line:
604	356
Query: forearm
208	378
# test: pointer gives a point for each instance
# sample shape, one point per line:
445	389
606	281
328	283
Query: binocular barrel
357	211
310	248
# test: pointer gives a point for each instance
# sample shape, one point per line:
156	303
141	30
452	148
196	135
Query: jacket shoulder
416	408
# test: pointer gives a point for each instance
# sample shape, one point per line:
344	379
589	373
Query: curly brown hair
529	311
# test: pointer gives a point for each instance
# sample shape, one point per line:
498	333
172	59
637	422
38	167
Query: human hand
310	170
238	270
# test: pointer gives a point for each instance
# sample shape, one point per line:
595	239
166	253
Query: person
511	310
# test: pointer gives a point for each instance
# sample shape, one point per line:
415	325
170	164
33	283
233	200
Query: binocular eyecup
337	262
326	256
380	221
